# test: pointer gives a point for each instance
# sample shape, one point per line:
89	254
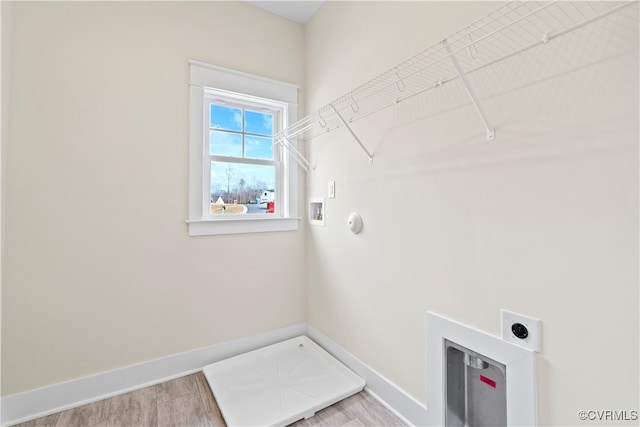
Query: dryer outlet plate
532	340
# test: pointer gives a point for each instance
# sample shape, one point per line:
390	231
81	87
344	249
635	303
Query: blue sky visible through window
227	118
227	132
260	123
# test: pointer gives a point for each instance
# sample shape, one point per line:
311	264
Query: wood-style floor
188	402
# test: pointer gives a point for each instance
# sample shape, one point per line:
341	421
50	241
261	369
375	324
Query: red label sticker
486	380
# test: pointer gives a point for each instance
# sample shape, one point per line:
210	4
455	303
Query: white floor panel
279	384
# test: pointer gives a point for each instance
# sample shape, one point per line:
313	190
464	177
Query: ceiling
299	11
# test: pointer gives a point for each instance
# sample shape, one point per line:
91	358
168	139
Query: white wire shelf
510	30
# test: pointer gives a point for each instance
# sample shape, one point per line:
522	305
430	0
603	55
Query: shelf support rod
302	161
470	92
344	122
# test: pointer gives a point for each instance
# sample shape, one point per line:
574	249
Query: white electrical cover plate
331	190
532	341
279	384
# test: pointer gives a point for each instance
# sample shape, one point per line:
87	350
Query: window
239	181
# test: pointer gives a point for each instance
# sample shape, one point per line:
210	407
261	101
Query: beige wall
5	38
542	221
99	272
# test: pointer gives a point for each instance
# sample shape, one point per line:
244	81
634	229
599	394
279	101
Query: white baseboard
37	403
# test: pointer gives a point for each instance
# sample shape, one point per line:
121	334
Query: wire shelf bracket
286	143
344	122
463	78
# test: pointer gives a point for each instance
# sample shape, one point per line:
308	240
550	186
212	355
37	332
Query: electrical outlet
331	190
521	330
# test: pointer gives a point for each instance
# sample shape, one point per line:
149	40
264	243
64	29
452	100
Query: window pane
227	118
258	147
259	123
242	189
225	143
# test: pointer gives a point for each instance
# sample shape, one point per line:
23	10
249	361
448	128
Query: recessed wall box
316	211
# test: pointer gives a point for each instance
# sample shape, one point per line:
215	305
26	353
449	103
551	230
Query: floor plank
209	402
48	421
138	408
359	409
177	388
91	415
186	410
354	423
188	401
368	410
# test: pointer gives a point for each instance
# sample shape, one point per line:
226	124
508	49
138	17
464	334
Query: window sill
212	227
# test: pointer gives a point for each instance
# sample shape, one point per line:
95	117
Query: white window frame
206	83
